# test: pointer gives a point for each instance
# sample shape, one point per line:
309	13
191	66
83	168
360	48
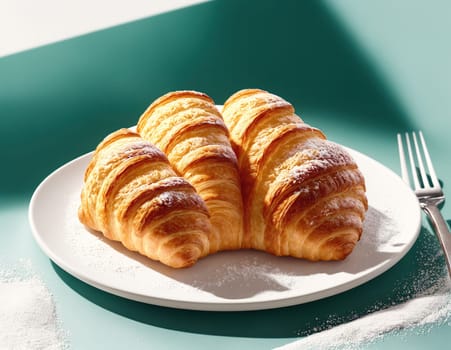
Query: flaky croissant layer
132	195
187	126
303	195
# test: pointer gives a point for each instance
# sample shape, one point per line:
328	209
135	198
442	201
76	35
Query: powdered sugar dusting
432	306
92	248
28	318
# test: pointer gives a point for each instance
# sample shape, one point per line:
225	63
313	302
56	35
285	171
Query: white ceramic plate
227	281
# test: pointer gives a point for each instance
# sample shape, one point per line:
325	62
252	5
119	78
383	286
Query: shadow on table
420	269
58	101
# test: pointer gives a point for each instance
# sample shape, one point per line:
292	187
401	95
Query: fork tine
431	195
424	177
402	158
427	157
413	169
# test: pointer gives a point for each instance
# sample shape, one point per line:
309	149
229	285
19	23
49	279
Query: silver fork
427	188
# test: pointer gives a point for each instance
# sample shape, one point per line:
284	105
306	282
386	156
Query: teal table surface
360	71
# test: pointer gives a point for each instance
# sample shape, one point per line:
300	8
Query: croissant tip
183	259
342	251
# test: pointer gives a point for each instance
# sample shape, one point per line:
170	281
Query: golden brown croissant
189	129
303	195
132	195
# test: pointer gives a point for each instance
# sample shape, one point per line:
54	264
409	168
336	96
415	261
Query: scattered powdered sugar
237	275
28	318
430	306
380	229
92	248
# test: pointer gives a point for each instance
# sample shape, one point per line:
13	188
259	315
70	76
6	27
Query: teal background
360	71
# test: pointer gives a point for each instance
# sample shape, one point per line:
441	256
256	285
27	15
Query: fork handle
441	229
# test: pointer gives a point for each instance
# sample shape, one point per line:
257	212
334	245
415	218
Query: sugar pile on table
431	306
28	318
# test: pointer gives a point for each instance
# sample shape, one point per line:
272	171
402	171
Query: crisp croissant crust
303	195
188	128
132	195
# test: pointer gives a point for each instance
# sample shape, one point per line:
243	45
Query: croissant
303	195
132	195
188	128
